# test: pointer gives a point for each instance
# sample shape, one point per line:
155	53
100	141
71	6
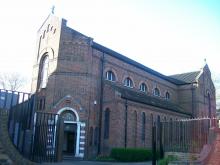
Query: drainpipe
126	121
101	104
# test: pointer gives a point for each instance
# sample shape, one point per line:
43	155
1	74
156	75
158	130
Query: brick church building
106	99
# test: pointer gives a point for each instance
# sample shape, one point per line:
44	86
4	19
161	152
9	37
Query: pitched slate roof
187	77
142	98
136	64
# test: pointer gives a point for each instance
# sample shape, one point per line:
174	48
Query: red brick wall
75	71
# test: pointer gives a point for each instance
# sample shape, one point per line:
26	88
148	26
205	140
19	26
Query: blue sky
170	36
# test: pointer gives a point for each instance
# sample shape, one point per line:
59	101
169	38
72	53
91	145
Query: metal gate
46	137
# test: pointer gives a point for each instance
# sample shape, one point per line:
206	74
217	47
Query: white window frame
128	82
143	87
155	92
110	75
167	98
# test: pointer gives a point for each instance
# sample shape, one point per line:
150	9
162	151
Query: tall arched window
167	96
91	136
143	87
96	136
44	72
143	127
156	92
106	123
128	82
158	127
165	119
134	128
152	120
110	76
209	104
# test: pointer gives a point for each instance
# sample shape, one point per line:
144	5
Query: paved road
95	163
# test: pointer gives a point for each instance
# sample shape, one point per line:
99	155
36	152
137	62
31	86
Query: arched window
143	87
156	92
44	71
167	96
68	116
152	120
91	136
158	127
110	76
106	123
209	105
128	82
134	128
96	136
143	127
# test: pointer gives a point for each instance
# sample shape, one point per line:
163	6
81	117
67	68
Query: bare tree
11	81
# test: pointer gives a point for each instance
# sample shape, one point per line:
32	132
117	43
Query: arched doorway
71	132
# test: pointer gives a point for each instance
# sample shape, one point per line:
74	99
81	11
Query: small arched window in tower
44	72
167	96
106	123
110	76
143	127
143	87
156	92
128	82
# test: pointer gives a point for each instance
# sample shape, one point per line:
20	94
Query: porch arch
69	109
78	123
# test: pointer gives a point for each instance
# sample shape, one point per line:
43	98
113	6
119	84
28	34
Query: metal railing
34	134
20	109
188	135
46	137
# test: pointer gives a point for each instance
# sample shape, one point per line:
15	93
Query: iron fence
9	98
34	134
189	135
45	145
20	107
